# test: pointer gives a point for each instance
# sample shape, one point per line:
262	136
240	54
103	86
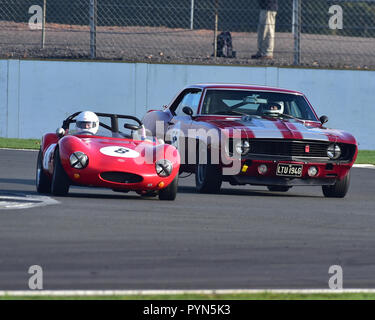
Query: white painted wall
35	96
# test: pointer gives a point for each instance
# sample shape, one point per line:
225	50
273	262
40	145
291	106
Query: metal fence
308	32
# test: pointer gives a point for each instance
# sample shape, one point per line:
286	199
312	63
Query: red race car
254	135
110	158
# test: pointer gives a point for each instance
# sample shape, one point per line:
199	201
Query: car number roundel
122	152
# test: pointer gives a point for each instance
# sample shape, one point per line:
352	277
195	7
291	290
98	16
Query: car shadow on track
21	192
80	195
29	182
256	193
104	196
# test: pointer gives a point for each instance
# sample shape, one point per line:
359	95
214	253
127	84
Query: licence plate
289	170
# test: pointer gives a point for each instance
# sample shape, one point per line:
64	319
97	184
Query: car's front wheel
208	178
278	188
170	192
60	181
339	189
43	183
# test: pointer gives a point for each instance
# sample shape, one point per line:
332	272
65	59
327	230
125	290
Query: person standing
266	29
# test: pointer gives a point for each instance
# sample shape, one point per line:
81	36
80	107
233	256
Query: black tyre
339	189
42	181
278	188
60	181
170	192
208	178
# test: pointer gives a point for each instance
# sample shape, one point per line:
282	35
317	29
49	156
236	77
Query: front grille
295	148
121	177
289	148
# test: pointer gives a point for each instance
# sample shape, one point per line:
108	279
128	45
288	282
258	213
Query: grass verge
364	156
19	143
257	296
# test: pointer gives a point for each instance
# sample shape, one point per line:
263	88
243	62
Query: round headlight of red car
334	151
242	147
79	160
163	168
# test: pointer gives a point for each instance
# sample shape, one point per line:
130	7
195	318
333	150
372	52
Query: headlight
242	147
79	160
334	151
163	168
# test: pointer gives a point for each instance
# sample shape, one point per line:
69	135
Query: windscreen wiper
274	114
230	112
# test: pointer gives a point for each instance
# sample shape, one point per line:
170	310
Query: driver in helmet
274	107
87	122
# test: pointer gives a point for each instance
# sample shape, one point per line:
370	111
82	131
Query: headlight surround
242	147
79	160
163	168
334	151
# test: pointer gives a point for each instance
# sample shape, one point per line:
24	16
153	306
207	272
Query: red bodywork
100	163
263	129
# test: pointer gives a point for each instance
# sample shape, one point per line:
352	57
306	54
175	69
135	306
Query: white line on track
11	201
177	292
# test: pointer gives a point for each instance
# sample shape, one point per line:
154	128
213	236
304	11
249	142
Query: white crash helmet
87	122
275	107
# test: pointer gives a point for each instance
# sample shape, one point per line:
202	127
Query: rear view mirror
131	126
323	119
60	132
254	99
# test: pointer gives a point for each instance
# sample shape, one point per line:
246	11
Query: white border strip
364	166
34	150
176	292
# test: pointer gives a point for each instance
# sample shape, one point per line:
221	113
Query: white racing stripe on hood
311	133
263	129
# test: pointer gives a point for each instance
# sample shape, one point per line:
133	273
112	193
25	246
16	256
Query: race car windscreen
104	130
257	103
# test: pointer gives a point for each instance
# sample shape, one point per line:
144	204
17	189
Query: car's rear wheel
278	188
43	183
339	189
170	192
60	181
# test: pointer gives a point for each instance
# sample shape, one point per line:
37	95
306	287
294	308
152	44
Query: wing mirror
133	127
60	132
323	119
187	110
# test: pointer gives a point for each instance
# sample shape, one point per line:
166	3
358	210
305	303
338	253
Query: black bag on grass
224	45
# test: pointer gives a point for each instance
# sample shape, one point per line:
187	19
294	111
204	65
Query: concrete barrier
35	96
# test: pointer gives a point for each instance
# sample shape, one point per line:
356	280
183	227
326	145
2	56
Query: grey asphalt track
244	238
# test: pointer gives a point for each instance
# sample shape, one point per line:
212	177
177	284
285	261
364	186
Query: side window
191	99
196	97
294	110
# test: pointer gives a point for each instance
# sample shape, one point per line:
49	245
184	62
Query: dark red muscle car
273	135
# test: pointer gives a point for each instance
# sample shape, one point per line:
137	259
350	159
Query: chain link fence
308	32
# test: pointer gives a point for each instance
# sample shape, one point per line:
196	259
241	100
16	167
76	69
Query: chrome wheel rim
201	173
